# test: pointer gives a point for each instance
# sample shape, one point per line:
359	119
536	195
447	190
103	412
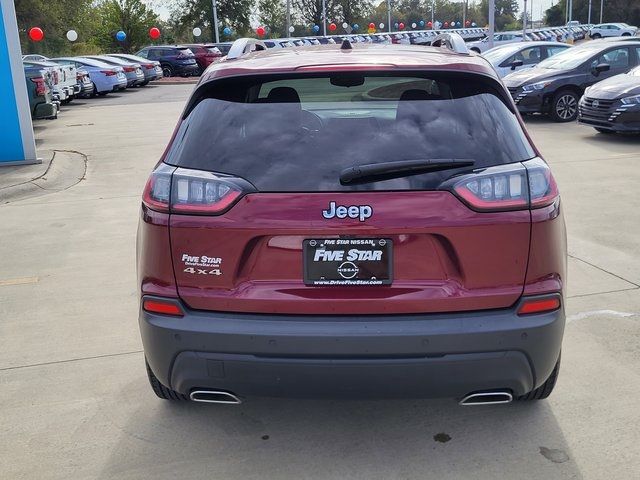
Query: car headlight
535	86
635	100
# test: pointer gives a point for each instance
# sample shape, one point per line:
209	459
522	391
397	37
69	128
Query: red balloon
260	31
467	23
36	34
401	26
446	24
372	25
429	24
154	33
332	27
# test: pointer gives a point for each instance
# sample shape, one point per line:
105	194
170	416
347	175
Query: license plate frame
334	269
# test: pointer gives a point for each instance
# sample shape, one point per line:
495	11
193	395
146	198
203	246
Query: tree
132	17
273	14
188	14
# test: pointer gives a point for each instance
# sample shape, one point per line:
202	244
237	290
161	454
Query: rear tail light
149	66
181	190
41	88
164	307
129	69
539	305
108	73
508	187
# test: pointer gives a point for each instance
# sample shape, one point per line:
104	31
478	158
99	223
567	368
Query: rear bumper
435	355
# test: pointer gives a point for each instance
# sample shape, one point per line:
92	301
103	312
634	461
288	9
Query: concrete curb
66	169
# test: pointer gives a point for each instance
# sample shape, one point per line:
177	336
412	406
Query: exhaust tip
487	398
214	396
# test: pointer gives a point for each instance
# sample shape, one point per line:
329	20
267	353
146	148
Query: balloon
316	28
371	30
260	31
422	23
292	29
395	25
72	35
446	24
197	32
154	33
381	26
414	25
332	27
430	24
345	25
467	23
372	25
36	34
458	24
474	24
121	36
356	26
401	25
226	31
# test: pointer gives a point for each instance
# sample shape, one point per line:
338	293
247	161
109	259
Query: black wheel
95	90
596	36
167	71
160	390
626	34
564	106
604	130
473	49
544	390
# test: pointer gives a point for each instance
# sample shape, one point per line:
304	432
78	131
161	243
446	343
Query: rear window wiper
374	172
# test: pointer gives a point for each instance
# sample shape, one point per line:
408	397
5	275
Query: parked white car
519	56
612	30
498	39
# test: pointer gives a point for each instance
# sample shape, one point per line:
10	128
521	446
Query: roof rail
244	46
452	41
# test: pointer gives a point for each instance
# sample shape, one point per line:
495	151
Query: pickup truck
64	87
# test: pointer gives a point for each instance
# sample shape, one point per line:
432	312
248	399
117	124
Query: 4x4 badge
361	212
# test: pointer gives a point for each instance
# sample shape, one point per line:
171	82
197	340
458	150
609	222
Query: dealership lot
76	400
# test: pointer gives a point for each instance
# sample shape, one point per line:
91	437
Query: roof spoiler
244	46
452	41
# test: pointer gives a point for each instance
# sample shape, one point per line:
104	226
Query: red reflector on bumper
165	308
539	305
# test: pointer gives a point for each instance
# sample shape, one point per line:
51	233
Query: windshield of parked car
569	59
299	134
498	53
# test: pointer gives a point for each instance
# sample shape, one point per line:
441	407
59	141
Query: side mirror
516	63
601	67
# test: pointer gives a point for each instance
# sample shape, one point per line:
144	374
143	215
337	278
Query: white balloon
413	25
197	32
292	29
345	25
72	35
381	25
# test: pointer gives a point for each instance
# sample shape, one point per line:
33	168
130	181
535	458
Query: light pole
433	11
324	17
492	20
288	17
589	16
601	9
215	21
524	22
388	15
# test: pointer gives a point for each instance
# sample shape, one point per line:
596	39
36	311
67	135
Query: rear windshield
298	134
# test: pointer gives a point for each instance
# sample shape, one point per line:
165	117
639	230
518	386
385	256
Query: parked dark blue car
175	61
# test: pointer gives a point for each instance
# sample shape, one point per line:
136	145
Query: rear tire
564	106
160	390
604	130
596	36
626	34
167	71
544	390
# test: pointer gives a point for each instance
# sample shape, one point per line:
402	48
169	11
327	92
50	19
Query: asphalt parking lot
74	394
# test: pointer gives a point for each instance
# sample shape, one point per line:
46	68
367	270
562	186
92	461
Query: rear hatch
349	194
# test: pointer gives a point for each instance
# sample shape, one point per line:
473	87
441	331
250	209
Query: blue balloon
395	25
356	26
458	24
422	23
316	28
226	31
120	36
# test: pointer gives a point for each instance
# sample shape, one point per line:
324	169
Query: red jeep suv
369	221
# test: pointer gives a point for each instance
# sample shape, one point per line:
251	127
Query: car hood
622	85
532	75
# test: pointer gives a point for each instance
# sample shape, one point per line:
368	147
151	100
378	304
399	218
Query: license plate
348	261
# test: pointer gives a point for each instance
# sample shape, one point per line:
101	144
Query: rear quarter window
298	133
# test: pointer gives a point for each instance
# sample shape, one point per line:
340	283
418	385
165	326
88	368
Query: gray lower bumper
443	355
